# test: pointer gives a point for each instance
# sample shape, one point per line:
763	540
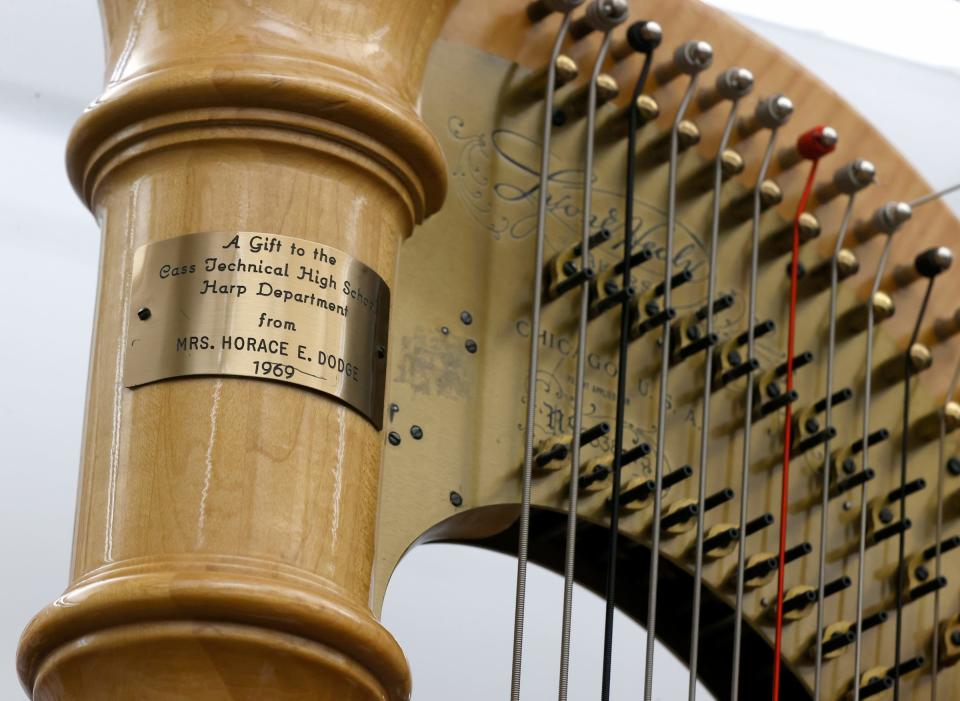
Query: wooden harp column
225	527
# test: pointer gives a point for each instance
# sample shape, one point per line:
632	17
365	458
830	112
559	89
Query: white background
451	608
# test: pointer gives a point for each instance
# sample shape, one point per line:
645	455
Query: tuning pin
600	16
893	529
720	541
881	513
606	291
658	150
771	112
702	180
918	358
596	471
689	58
928	264
835	638
539	9
884	220
561	273
741	209
810	145
947	327
818	279
933	585
556	448
770	396
759	523
761	567
905	667
842	460
855	320
615	126
928	427
874	683
732	84
847	179
946	546
648	314
729	362
638	492
798	602
565	71
781	242
577	104
845	484
687	337
641	37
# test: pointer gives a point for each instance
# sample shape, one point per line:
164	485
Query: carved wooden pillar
224	529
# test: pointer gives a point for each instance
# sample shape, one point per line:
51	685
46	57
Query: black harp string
624	343
938	533
571	543
662	390
828	421
904	449
748	418
705	409
864	453
524	525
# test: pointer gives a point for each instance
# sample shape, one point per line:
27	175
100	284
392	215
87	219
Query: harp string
705	409
662	390
904	449
828	421
861	546
610	594
748	417
524	525
570	553
788	418
938	533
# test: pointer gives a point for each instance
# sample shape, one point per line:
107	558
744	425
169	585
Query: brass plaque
259	305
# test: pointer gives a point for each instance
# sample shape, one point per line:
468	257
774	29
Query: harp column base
199	632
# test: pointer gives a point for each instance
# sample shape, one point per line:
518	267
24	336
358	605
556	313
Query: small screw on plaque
444	330
466	317
394	438
456	499
416	432
381	352
470	345
143	313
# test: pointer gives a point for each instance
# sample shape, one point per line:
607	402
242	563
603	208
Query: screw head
416	432
143	313
470	345
466	317
456	499
885	515
953	466
955	637
921	573
444	330
394	438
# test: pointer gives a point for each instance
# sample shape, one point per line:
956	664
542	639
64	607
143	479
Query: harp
237	525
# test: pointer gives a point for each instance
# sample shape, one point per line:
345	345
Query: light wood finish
225	528
477	255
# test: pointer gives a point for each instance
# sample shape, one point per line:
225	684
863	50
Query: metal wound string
524	526
938	534
581	366
861	548
828	421
662	391
705	410
904	449
610	596
748	418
